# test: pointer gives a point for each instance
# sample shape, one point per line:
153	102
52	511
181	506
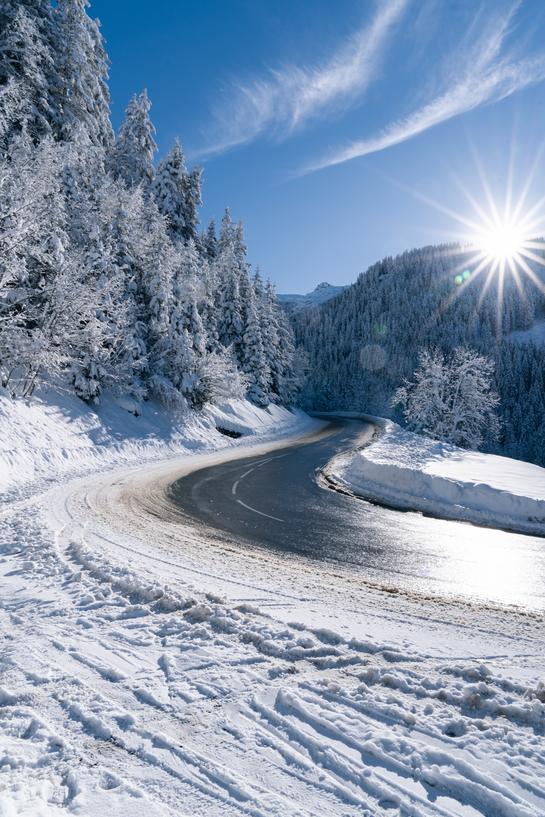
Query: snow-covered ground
149	667
409	471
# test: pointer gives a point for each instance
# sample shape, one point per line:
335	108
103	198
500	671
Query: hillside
363	344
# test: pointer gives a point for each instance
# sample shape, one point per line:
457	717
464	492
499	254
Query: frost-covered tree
100	360
228	302
279	346
208	300
33	244
134	149
451	399
177	194
57	308
226	235
209	241
27	72
193	200
186	290
153	259
221	377
82	64
255	363
186	343
168	189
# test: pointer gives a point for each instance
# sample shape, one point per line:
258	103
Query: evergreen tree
177	194
228	302
82	63
209	241
134	149
208	303
27	69
254	362
275	334
226	236
32	249
186	295
192	202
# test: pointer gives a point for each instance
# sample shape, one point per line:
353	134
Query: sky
342	132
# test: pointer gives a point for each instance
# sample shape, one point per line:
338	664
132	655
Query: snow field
149	669
409	471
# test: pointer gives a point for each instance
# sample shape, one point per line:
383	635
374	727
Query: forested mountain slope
363	343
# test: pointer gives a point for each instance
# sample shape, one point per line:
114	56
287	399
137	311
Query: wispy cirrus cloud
284	99
481	75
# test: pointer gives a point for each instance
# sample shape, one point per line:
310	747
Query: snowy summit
322	293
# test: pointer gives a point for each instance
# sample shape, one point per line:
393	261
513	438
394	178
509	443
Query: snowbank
408	471
57	435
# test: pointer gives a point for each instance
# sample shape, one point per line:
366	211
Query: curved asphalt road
274	501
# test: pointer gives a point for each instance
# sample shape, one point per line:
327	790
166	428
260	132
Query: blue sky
341	132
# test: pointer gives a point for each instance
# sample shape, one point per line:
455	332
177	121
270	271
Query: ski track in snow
151	668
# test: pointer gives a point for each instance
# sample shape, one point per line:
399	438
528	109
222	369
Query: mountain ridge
322	293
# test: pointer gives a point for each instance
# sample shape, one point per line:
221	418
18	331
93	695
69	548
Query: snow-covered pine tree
83	97
177	193
168	190
125	208
288	376
226	236
209	241
155	258
270	328
27	71
92	197
208	301
134	149
186	343
32	251
192	202
254	362
228	303
186	293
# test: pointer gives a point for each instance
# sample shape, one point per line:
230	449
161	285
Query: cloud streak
285	99
489	78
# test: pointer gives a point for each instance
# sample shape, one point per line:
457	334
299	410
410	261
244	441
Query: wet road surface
274	501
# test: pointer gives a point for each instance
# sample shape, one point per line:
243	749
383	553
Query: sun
496	240
504	242
501	243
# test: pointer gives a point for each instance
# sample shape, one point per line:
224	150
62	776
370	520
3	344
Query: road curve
274	501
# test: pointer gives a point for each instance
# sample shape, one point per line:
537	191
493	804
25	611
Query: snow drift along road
405	470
